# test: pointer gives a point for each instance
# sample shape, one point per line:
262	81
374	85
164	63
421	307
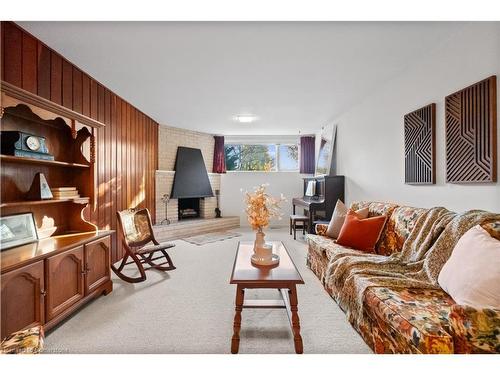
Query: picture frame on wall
420	146
17	230
471	133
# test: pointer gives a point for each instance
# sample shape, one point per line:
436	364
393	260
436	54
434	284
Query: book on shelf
74	196
69	188
65	193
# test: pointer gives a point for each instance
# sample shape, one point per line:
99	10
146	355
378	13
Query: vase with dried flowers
260	208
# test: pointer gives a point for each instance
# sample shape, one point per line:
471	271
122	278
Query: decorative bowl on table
263	256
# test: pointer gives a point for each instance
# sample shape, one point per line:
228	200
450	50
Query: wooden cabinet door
22	298
65	274
97	264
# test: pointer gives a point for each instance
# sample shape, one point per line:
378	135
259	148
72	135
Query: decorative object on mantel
471	133
17	230
24	145
217	209
65	193
260	208
165	199
39	189
420	146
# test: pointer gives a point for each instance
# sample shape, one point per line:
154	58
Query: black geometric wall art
420	146
471	133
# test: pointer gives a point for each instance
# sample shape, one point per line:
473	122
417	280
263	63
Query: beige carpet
191	309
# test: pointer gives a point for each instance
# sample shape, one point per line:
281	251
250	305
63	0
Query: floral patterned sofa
408	320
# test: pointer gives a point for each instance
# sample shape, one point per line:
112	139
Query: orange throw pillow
361	234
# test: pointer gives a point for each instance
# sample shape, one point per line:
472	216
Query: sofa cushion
419	317
338	218
376	209
361	234
472	273
398	228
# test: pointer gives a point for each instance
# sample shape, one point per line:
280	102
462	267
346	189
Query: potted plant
260	208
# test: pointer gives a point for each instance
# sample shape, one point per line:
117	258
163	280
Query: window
288	157
262	157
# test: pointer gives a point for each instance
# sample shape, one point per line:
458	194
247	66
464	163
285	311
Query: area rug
203	239
190	310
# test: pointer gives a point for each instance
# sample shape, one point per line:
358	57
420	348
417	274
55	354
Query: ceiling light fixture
245	118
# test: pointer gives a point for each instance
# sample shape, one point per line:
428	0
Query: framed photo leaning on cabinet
17	230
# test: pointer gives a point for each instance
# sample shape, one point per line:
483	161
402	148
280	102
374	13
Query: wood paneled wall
126	147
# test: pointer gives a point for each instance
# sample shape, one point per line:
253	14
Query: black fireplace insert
189	208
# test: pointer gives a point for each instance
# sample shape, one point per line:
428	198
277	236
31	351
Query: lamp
245	118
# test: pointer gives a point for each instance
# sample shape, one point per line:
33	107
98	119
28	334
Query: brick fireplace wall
169	138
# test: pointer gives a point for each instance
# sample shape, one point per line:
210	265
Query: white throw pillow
471	276
338	218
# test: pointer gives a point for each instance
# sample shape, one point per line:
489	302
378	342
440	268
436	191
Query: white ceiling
198	75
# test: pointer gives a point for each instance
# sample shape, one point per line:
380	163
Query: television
325	151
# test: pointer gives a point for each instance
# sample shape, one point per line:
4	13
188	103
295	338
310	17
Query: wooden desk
283	277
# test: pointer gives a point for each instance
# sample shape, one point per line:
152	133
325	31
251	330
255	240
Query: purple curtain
219	155
307	152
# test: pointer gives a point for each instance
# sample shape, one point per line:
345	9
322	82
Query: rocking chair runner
137	233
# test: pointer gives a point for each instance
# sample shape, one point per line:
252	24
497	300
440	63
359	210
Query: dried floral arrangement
261	207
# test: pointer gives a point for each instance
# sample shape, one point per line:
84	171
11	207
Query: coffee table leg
295	320
235	341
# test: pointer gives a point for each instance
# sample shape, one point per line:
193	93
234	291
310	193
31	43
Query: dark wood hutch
45	281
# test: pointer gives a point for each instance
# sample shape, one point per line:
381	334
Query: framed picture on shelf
17	230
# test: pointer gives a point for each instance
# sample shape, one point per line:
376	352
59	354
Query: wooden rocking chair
137	233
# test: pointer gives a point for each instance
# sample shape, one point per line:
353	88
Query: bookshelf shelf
22	160
81	200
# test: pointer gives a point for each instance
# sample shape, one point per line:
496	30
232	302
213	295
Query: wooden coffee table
283	277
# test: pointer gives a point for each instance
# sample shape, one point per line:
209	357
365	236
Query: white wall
232	199
370	143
